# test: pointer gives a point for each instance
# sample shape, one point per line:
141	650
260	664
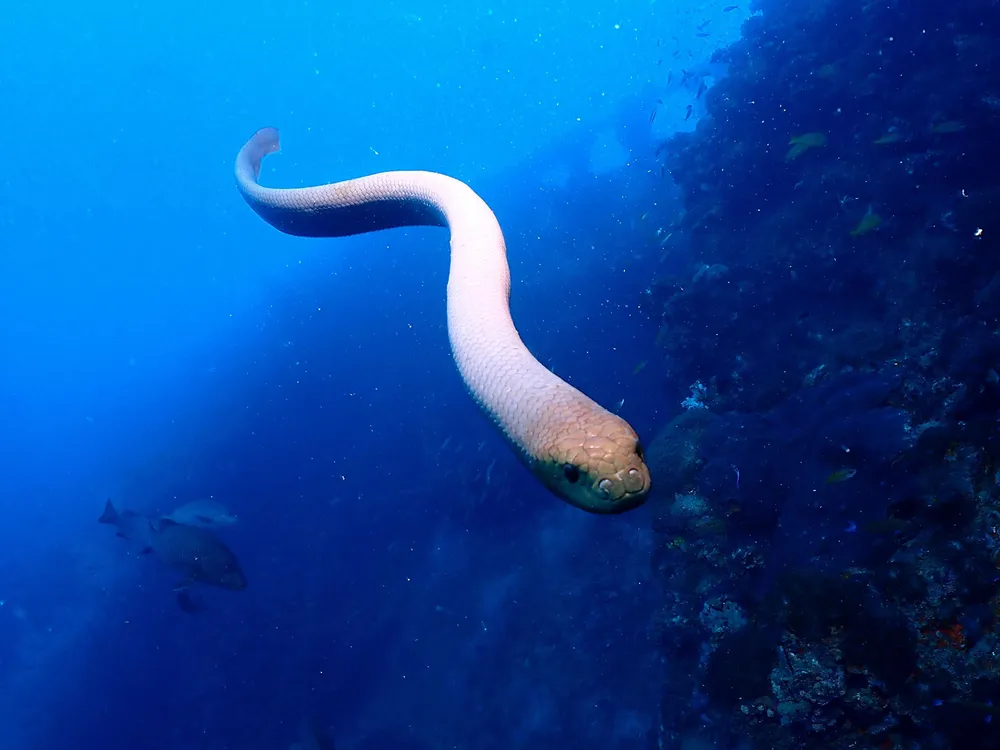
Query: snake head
600	470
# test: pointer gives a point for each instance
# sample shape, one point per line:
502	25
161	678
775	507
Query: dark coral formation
831	552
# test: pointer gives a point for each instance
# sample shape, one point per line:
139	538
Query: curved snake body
583	453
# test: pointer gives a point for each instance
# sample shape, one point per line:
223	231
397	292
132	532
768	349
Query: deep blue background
161	344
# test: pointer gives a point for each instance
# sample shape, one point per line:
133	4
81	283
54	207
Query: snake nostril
635	480
605	486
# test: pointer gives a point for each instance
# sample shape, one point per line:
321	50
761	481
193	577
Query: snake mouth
623	491
628	483
607	506
633	499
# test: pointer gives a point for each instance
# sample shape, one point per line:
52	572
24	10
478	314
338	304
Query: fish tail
110	515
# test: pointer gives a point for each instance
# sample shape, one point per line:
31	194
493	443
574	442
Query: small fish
802	143
949	126
702	35
851	527
652	116
688	115
208	514
730	8
701	90
890	137
841	475
639	367
619	405
869	222
670	77
129	524
701	26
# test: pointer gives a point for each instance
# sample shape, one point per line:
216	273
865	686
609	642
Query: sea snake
583	453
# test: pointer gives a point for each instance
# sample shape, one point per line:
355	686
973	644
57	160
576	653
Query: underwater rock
674	457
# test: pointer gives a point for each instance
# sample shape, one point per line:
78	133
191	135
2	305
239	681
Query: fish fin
162	523
188	604
184	584
110	515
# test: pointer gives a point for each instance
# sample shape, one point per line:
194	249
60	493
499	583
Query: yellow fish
868	222
841	475
802	143
948	126
888	138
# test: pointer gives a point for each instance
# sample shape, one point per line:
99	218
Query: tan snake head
599	468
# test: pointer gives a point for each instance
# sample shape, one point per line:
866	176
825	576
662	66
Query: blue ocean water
161	344
762	233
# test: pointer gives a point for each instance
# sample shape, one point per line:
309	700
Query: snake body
583	453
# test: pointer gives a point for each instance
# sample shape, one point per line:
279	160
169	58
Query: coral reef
831	555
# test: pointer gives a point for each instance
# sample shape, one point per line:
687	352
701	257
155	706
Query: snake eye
572	473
